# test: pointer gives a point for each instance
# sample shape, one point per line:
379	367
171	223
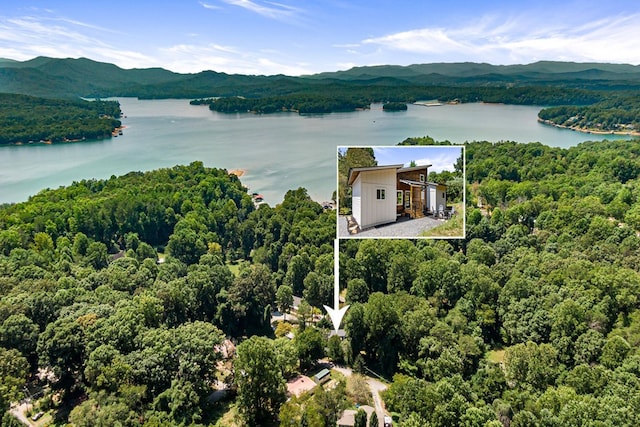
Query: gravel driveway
403	227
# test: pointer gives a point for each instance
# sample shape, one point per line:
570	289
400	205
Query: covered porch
412	199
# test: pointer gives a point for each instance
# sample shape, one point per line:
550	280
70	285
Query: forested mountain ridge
469	73
64	78
542	83
44	76
83	77
468	69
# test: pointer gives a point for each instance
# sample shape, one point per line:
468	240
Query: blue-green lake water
278	151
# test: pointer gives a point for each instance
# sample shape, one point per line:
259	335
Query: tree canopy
26	119
126	293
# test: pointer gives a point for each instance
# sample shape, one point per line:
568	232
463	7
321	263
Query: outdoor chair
451	212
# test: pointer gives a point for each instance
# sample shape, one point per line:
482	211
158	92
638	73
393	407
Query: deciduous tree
261	387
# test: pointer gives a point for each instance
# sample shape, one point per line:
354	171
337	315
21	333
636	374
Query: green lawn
453	227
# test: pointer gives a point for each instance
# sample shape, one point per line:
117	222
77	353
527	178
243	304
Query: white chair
441	211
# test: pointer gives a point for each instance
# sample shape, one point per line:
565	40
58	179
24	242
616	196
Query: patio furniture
450	212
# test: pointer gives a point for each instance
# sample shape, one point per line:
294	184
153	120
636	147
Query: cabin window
399	197
380	194
407	199
443	195
421	177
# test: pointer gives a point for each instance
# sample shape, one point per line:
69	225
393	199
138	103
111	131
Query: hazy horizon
258	37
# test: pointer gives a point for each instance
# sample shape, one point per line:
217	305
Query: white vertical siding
374	211
356	200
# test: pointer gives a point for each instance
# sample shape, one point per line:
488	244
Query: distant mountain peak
73	77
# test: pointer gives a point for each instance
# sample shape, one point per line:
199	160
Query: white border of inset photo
401	192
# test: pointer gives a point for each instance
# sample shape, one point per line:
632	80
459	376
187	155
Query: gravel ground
404	227
343	231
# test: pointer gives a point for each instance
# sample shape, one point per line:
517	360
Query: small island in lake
394	106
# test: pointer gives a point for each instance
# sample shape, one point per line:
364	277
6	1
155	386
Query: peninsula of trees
300	103
618	114
346	96
25	119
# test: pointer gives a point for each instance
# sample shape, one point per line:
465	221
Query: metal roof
414	168
354	172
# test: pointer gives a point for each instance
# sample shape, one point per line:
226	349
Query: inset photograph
401	192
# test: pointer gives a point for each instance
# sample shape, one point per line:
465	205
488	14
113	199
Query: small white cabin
373	194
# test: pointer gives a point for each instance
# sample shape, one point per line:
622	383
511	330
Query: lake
278	151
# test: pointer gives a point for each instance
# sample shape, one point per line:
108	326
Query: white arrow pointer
336	313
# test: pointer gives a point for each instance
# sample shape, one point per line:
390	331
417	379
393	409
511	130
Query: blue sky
303	37
439	157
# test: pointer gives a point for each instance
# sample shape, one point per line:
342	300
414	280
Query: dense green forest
619	113
394	106
136	341
349	96
533	319
30	119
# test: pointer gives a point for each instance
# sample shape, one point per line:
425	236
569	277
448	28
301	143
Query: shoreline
591	131
114	134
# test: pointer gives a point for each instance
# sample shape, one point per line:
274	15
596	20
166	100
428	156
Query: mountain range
82	77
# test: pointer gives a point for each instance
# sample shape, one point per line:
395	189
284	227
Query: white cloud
519	39
58	37
209	6
420	162
188	58
198	49
427	40
268	66
346	65
24	38
347	45
267	9
438	163
440	158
